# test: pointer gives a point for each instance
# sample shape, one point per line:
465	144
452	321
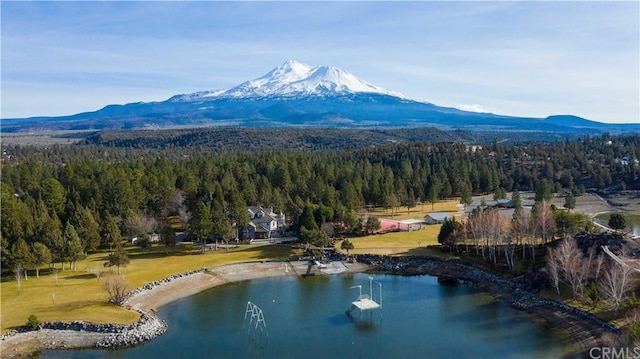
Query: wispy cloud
521	58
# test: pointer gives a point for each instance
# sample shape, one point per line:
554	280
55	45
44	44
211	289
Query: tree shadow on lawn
159	252
266	252
252	252
80	276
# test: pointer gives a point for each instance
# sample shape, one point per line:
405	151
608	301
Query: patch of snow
476	108
294	78
196	95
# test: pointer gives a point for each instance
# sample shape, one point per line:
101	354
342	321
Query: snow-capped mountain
296	94
294	79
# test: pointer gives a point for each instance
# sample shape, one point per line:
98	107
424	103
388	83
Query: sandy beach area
24	344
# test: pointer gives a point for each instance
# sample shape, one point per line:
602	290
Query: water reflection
306	318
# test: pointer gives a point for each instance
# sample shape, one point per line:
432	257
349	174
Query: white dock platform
365	304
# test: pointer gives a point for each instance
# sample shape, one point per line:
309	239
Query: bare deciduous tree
184	214
543	219
140	224
574	269
118	288
552	268
490	232
522	229
509	251
597	266
328	229
97	271
17	270
617	280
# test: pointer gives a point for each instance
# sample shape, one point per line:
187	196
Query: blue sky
516	58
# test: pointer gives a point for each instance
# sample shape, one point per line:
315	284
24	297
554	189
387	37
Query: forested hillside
310	138
104	194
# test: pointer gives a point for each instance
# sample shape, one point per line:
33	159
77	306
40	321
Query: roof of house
262	228
438	216
411	221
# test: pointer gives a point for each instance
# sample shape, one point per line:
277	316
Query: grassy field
79	295
397	243
417	212
630	217
404	243
44	138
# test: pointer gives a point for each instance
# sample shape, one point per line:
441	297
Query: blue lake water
305	318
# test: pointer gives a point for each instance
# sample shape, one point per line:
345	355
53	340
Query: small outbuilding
505	203
436	218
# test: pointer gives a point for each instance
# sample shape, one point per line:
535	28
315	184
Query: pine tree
201	225
569	202
168	237
21	258
73	245
41	256
466	197
118	257
373	224
346	245
307	219
110	233
617	221
87	228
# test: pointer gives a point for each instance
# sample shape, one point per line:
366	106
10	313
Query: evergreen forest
63	201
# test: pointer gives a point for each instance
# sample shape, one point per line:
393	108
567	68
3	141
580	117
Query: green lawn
79	295
417	212
630	217
404	243
397	243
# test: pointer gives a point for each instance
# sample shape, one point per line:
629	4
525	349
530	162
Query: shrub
592	294
633	302
33	322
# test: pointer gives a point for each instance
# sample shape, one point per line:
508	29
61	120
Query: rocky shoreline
584	329
144	300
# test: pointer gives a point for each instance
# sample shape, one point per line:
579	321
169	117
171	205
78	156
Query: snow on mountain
195	95
294	78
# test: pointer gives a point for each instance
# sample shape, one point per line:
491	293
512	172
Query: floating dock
366	301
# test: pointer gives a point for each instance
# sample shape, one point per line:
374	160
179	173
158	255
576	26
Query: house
263	223
153	238
410	224
505	203
436	218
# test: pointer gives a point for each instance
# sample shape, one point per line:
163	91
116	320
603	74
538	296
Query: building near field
436	218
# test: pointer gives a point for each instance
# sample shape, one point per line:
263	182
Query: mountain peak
294	78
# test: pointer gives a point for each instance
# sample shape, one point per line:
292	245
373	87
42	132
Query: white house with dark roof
263	223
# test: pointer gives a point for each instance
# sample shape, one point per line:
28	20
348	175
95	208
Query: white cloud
523	58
